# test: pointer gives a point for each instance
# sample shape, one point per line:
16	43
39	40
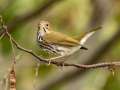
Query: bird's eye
46	24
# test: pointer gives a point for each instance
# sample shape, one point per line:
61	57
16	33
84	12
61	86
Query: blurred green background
72	17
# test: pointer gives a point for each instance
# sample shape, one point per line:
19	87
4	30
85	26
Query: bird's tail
83	34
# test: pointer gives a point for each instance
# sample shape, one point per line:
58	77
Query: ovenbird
57	42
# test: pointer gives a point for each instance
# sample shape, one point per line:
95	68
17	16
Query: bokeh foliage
71	17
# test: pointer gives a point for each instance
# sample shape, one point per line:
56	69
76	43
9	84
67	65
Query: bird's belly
63	51
57	49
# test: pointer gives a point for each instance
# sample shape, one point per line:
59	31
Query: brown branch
12	73
81	66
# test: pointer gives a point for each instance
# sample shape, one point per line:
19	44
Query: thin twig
12	73
2	36
81	66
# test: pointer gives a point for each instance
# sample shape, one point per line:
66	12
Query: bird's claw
61	65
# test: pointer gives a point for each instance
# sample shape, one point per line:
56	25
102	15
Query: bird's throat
39	37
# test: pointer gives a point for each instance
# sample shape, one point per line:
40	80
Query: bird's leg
61	67
62	54
62	62
51	51
49	62
48	50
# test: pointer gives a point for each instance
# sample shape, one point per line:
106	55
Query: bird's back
60	39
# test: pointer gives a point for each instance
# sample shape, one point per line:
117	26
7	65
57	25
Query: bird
58	43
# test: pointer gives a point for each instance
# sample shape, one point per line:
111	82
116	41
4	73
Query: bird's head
43	27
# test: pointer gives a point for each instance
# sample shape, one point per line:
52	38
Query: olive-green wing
60	39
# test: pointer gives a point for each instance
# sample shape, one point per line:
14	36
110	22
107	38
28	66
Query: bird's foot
61	65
